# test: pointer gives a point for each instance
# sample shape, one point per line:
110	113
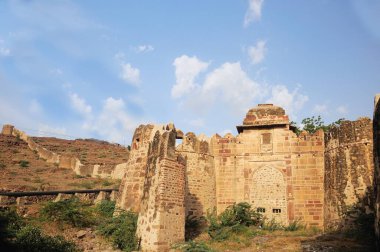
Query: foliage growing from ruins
193	226
70	211
106	208
232	220
121	230
16	235
31	239
313	124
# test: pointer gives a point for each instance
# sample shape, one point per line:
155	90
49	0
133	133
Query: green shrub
121	230
24	163
10	223
192	246
69	211
272	225
31	239
294	226
232	220
106	208
106	183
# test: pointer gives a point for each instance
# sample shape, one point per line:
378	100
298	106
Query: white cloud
230	84
320	109
186	70
46	130
56	71
144	48
254	12
80	105
342	110
130	74
290	101
4	51
257	52
113	122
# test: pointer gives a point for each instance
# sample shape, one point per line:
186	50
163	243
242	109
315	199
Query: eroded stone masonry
376	131
314	178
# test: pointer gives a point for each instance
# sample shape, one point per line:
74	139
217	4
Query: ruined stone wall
306	192
131	186
348	172
200	175
278	173
161	219
67	162
376	143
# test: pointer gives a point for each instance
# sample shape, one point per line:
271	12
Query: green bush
294	226
272	225
69	211
15	235
106	208
24	163
232	220
30	239
121	230
10	223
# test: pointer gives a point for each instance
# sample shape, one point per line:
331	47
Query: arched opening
268	194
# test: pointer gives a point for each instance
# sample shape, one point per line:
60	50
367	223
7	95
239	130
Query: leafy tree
312	124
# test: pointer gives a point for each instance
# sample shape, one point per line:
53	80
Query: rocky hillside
22	170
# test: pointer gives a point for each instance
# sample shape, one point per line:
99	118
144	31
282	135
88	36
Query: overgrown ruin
325	180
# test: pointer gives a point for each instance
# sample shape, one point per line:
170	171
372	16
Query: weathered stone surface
348	172
376	134
7	129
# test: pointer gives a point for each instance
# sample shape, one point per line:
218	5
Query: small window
276	210
261	210
266	138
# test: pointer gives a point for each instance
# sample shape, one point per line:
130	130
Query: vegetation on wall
313	124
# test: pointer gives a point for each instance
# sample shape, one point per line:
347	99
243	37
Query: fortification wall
376	143
67	162
161	219
278	173
306	192
348	172
200	175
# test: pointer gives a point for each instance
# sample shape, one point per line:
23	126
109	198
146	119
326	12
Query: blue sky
96	69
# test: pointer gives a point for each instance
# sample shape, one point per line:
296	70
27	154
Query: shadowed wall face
376	134
349	173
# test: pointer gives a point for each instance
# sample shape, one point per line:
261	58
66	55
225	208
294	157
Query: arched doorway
268	194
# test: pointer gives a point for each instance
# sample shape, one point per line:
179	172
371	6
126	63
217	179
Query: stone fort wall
349	172
277	172
376	134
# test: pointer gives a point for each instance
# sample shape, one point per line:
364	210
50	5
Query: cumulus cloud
230	84
342	110
113	122
144	48
291	101
254	11
130	74
257	53
79	104
228	88
46	130
186	70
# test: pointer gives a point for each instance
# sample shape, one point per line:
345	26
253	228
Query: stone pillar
7	130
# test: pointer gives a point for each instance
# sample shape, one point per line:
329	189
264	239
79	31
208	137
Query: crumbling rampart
200	174
376	144
65	161
348	173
